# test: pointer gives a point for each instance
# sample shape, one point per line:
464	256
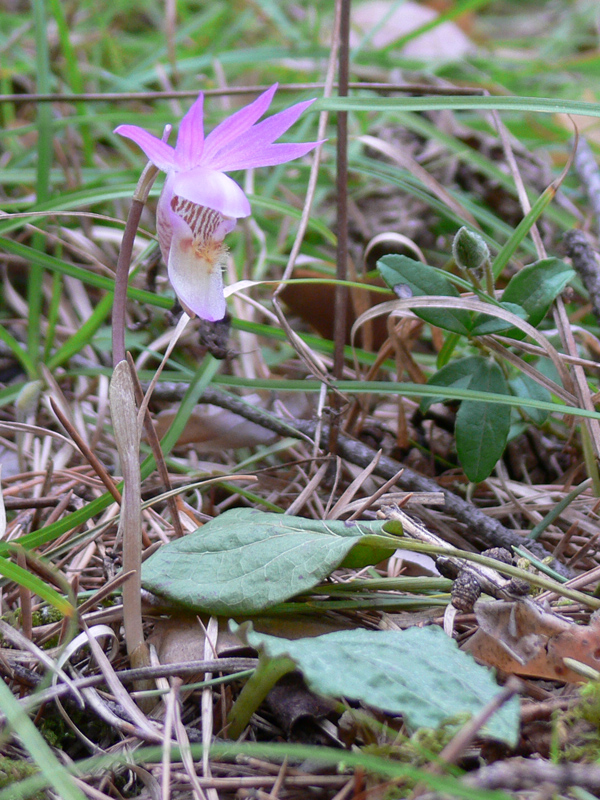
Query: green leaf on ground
482	428
536	286
247	560
524	386
457	373
419	673
423	280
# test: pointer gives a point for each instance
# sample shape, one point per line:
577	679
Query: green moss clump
579	728
14	771
45	615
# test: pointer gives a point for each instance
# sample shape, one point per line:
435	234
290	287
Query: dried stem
88	454
127	438
583	258
157	452
231	91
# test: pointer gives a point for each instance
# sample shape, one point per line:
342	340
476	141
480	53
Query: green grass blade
83	334
20	354
90	278
53	314
522	229
73	73
44	164
545	105
36	585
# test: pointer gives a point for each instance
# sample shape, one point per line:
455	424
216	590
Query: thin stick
492	532
128	97
341	293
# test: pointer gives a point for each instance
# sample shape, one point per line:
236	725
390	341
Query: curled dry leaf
296	709
522	637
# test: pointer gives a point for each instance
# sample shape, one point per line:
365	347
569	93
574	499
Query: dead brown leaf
524	638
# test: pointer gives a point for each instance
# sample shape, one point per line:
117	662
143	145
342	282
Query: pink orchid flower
199	204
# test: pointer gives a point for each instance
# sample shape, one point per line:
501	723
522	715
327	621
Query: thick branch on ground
584	262
478	524
520	774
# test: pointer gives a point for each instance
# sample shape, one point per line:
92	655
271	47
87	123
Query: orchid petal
207	187
190	139
269	156
237	124
257	138
164	227
197	281
161	154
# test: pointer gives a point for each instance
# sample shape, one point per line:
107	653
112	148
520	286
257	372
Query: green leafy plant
482	429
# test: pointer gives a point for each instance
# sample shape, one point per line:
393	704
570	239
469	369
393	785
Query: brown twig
128	97
221	665
341	293
583	258
519	774
477	523
587	169
14	503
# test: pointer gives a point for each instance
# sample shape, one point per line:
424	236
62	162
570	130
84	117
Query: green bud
28	398
469	249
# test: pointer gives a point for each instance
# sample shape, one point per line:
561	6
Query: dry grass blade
127	438
348	495
210	651
405	306
170	703
35	429
93	460
406	162
410	172
309	490
121	694
184	748
13	635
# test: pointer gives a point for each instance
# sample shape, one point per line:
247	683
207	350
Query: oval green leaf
247	560
419	673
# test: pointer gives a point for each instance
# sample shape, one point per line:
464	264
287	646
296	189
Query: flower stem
122	275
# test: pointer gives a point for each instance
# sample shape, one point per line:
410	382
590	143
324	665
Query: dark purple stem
341	293
122	279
